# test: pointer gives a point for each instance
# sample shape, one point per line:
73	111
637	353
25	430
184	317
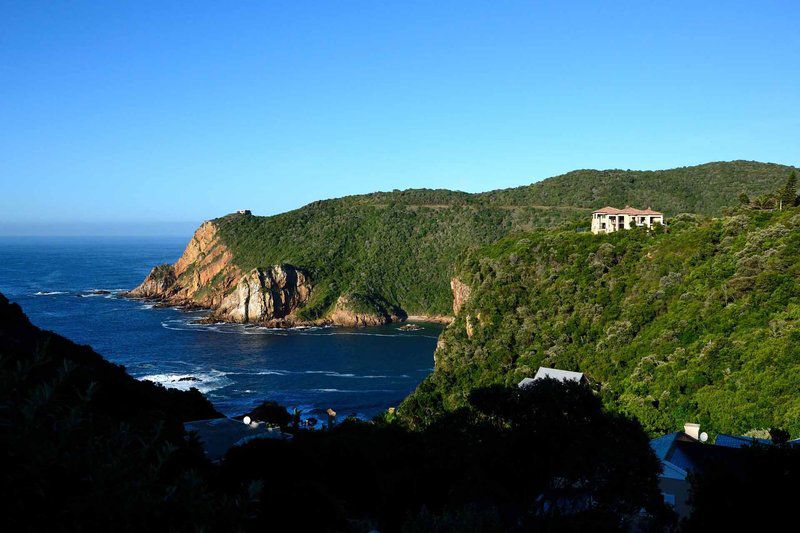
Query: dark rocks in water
410	327
189	378
93	292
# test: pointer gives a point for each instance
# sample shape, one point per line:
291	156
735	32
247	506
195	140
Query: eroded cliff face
202	276
158	283
264	295
461	292
206	276
206	271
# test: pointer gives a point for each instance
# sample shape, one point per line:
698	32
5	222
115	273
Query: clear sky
148	117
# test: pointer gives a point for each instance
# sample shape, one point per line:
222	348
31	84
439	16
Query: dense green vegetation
394	252
393	256
703	189
700	323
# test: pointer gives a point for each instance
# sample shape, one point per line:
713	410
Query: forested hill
703	189
372	258
395	251
700	323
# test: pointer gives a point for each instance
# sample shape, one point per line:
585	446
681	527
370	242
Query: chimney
693	430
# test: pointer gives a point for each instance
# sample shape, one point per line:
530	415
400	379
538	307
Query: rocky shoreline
205	277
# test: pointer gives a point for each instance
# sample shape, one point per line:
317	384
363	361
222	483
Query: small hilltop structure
610	219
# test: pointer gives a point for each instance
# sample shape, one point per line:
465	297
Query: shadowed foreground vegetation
84	446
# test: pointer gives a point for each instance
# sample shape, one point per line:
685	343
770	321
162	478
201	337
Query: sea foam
202	381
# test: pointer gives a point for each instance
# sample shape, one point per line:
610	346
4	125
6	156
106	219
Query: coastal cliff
207	276
201	277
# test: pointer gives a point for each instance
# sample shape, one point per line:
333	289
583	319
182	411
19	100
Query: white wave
202	381
49	293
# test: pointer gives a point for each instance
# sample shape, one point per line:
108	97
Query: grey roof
552	373
218	435
560	375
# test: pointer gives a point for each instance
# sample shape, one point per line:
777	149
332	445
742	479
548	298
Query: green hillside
698	324
394	256
396	250
703	189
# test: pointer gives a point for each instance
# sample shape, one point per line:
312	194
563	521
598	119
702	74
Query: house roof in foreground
218	435
733	441
552	373
679	452
555	373
628	210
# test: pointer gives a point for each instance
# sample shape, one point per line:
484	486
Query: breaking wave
202	381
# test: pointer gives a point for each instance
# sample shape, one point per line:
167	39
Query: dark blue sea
353	371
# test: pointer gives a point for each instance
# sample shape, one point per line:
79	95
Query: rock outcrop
206	276
461	292
345	313
266	294
158	284
202	276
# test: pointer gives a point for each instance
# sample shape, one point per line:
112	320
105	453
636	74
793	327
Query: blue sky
149	117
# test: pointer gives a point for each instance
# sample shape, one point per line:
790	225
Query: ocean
61	284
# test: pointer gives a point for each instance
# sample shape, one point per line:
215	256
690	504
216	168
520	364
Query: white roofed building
610	219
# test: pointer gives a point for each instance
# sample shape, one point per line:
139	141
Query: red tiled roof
608	210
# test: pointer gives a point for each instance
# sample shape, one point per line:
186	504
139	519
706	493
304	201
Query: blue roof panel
732	441
662	445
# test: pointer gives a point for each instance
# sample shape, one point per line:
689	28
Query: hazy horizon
185	228
148	118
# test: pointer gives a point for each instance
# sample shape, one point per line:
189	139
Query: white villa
610	219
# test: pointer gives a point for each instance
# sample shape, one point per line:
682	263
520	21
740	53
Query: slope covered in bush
697	324
394	252
703	189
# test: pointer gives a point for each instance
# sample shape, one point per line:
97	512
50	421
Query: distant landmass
375	258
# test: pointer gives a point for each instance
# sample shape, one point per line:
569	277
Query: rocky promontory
207	276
